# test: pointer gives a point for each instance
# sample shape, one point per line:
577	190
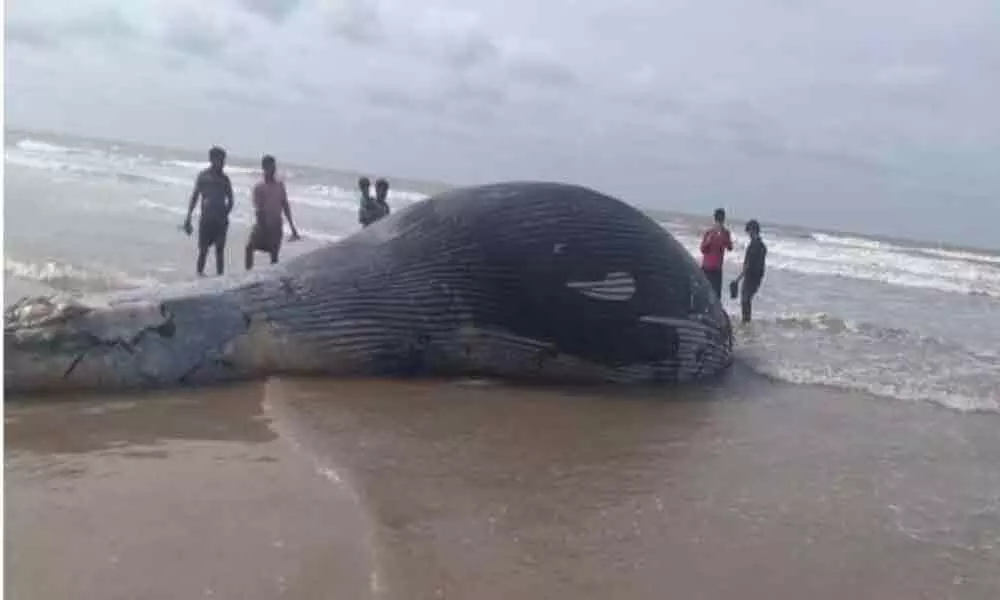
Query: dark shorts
750	286
212	232
714	277
749	289
266	237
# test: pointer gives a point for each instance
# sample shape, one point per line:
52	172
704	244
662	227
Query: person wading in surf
714	244
372	209
270	204
753	269
366	202
216	192
381	197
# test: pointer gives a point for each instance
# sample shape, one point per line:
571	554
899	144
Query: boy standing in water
270	204
364	207
381	197
216	192
753	268
714	244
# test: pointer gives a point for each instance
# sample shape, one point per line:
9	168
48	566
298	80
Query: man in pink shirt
714	244
270	203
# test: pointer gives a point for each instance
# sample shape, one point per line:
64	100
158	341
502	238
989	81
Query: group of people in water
715	242
271	208
372	209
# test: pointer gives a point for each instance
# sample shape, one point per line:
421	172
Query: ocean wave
341	202
131	177
324	197
127	169
960	255
908	391
122	176
312	234
835	325
887	267
123	170
241	215
333	196
74	278
869	244
822	349
30	145
849	241
46	163
189	165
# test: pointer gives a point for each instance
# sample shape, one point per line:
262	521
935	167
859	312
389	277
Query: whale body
521	280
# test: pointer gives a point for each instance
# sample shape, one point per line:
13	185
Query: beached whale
524	280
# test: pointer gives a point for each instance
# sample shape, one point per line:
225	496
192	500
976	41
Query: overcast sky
879	116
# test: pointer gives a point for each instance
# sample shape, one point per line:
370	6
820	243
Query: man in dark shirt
753	268
216	192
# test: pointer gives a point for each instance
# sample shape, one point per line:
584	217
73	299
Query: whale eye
617	286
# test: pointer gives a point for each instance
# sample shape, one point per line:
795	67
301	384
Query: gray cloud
193	34
394	99
272	10
29	33
108	24
456	38
544	72
471	50
480	94
357	21
460	102
103	25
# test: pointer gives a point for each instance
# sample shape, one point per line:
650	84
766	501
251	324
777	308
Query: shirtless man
270	202
216	192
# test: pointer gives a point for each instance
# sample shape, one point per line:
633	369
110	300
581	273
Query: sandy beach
423	489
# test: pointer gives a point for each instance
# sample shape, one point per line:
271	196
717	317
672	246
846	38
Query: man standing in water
216	192
714	244
270	204
753	268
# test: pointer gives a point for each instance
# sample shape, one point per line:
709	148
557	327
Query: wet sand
172	496
354	489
